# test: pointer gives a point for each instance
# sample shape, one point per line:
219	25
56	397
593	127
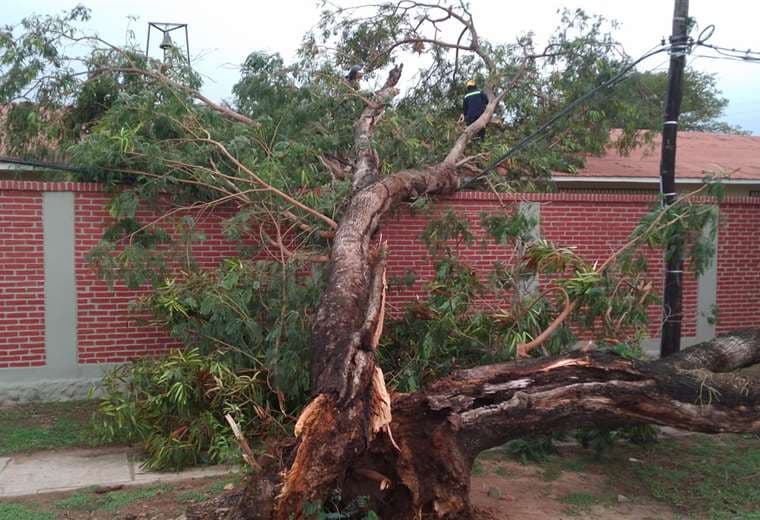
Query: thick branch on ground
441	430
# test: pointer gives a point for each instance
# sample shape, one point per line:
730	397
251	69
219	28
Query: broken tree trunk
347	411
343	439
438	432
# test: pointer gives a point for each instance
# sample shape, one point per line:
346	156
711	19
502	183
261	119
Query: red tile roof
698	153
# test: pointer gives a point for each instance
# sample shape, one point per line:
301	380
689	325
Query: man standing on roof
473	106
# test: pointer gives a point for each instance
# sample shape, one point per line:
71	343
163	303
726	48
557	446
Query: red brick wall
738	297
107	331
597	225
22	277
409	254
594	223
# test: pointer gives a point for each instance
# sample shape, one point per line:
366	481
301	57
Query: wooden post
672	309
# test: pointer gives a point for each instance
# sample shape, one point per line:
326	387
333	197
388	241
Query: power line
729	58
747	55
540	131
43	164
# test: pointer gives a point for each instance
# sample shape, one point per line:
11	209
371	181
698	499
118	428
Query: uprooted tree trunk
423	470
351	405
412	454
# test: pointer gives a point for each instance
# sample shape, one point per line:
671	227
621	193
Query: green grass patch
577	465
10	511
500	453
192	496
580	500
213	489
86	500
503	471
45	426
717	477
551	472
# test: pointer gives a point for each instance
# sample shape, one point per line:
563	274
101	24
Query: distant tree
640	102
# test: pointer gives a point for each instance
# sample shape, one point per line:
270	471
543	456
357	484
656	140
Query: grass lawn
697	476
715	477
679	477
160	501
47	426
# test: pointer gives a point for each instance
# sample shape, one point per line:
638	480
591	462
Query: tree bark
343	437
341	421
423	471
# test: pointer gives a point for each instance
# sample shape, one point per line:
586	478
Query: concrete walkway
51	471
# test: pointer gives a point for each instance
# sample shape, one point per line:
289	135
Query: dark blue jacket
473	105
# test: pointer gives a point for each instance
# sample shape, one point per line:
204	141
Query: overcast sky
223	32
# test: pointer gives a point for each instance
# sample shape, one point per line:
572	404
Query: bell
166	43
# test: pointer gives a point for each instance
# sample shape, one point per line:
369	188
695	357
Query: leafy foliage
254	314
450	329
176	405
533	449
143	128
701	107
335	509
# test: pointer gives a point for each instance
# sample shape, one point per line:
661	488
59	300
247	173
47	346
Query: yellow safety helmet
471	83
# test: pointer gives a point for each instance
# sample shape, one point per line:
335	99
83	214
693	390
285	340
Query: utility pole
672	310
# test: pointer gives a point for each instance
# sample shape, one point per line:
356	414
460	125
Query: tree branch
525	348
327	220
438	432
226	111
366	166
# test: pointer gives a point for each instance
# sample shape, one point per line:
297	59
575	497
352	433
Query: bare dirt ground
682	476
516	492
513	491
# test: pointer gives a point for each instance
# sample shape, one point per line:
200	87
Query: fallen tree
423	468
410	453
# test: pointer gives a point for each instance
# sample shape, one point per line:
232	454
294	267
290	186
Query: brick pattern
106	329
738	297
22	278
109	332
36	186
599	227
408	254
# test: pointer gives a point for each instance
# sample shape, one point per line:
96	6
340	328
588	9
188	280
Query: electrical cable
539	132
728	53
729	58
44	164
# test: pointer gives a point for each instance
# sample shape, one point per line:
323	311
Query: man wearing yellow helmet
473	106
